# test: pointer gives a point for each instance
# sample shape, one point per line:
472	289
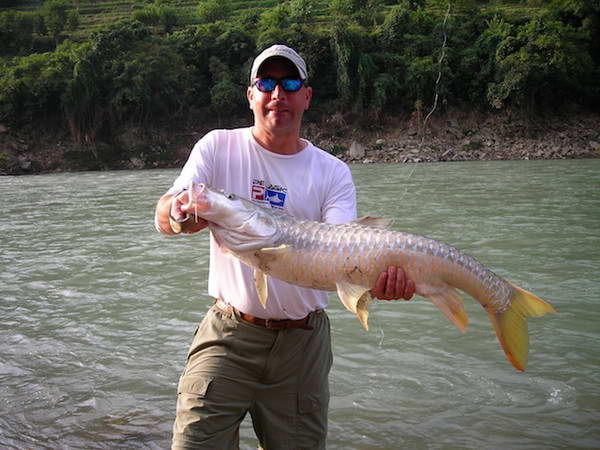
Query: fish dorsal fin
262	289
356	299
450	303
373	222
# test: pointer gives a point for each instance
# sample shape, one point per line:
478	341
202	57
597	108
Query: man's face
278	112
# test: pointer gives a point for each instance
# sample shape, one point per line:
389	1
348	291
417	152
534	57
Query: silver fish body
320	255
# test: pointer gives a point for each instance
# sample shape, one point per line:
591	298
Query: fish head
237	223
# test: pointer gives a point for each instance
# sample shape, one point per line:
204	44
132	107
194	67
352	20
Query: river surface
97	311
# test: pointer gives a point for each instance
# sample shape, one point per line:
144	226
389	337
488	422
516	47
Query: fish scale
349	258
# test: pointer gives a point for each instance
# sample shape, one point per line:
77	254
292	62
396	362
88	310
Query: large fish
349	258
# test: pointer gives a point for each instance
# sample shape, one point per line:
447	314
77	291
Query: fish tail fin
511	326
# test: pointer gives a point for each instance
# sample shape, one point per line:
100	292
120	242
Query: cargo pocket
309	403
196	386
311	422
190	421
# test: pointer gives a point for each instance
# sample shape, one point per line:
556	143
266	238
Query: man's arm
169	211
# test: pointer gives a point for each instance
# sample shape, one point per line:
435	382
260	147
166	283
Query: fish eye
231	196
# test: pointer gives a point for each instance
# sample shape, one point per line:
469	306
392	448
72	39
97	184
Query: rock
24	162
356	150
595	146
368	161
379	143
455	131
137	163
3	128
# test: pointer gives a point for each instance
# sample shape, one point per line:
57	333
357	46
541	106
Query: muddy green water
97	311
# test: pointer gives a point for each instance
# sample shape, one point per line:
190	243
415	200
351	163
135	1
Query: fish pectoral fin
450	303
268	255
356	299
373	222
275	251
262	289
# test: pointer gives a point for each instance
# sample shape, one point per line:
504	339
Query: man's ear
308	97
250	96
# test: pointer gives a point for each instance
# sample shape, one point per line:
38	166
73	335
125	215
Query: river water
97	311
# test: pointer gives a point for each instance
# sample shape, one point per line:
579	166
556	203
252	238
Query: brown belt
271	324
277	325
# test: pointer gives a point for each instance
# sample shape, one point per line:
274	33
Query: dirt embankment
453	137
467	137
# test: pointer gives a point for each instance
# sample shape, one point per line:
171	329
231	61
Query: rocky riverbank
469	137
453	137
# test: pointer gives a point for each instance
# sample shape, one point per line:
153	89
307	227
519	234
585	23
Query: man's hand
178	211
168	206
393	285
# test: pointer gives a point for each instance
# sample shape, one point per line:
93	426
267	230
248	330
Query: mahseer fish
348	258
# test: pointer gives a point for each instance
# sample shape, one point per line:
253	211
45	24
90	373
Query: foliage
363	55
210	11
16	32
59	15
363	12
31	86
543	58
158	13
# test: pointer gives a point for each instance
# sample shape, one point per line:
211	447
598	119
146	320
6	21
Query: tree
82	104
226	97
210	11
545	57
31	86
302	11
16	32
363	12
58	16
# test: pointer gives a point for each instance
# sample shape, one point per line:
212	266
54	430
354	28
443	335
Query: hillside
80	97
94	14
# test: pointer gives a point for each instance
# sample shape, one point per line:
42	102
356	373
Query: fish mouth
197	198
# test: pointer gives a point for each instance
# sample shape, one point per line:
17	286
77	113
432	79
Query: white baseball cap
283	51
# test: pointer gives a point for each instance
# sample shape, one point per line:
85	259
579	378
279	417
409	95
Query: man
239	361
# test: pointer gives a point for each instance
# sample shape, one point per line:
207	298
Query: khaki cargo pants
234	367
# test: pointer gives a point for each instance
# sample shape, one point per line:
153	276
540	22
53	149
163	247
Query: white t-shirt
310	184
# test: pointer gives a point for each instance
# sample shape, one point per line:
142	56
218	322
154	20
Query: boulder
356	150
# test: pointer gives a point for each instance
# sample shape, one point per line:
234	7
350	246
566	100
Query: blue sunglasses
288	84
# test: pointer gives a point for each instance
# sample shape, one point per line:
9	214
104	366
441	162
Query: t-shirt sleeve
198	167
340	203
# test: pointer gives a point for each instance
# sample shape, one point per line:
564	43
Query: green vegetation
99	65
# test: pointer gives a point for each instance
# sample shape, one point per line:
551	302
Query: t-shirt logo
273	194
258	192
276	199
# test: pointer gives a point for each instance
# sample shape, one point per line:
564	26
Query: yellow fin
511	326
373	222
262	289
356	299
450	303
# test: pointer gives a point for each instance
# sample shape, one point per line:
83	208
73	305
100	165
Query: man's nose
278	92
